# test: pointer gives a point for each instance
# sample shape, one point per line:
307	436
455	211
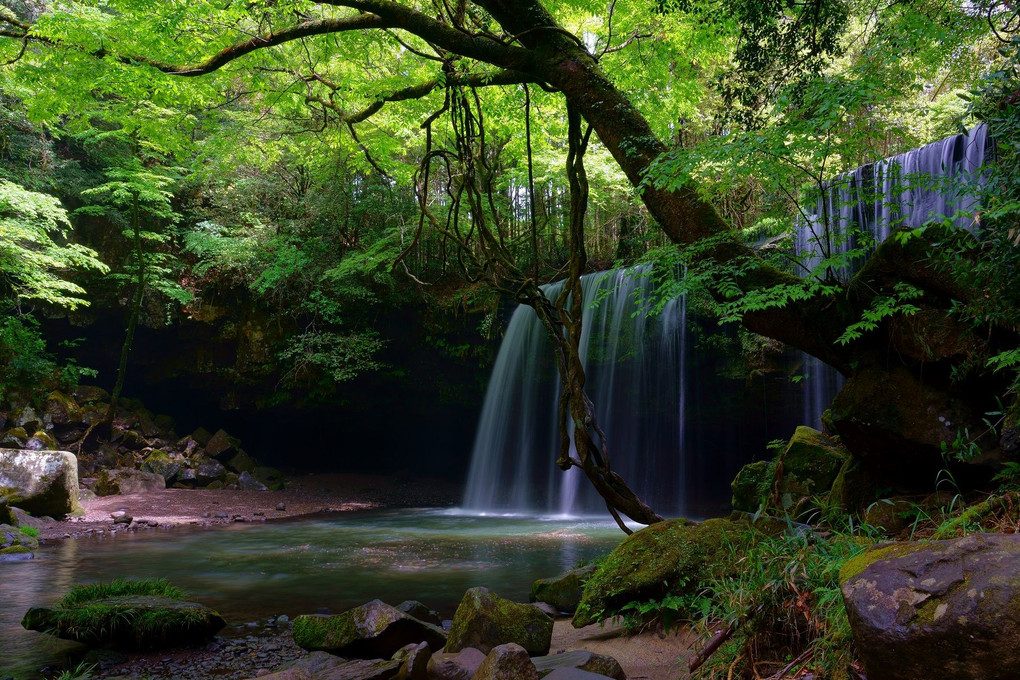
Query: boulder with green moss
41	482
484	620
807	466
371	631
673	557
948	607
159	462
17	544
752	483
126	614
564	591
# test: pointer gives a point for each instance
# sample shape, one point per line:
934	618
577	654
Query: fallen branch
975	513
717	641
801	658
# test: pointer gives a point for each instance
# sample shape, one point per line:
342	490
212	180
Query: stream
337	561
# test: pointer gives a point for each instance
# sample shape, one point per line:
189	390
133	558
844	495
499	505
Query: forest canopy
351	154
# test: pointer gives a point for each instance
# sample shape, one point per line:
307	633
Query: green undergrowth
119	588
780	596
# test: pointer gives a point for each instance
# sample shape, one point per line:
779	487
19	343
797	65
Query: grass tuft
118	588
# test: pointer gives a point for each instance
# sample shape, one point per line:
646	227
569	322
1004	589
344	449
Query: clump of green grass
82	671
29	531
120	588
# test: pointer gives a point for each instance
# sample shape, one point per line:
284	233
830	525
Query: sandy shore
304	495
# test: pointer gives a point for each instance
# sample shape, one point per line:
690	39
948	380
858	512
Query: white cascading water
932	183
649	383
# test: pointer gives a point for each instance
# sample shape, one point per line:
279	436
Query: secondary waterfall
677	432
859	209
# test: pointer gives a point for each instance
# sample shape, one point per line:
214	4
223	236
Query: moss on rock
484	621
751	485
673	557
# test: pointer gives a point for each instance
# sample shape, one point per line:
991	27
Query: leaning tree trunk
136	311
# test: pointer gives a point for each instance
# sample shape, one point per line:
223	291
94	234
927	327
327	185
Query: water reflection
251	572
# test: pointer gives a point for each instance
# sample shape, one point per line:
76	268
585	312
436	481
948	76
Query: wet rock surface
952	605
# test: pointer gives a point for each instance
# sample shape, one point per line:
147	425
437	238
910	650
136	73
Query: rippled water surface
253	571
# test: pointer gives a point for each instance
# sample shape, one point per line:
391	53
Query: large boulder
507	662
673	557
563	591
949	607
371	631
583	660
41	482
136	481
899	422
807	466
128	621
484	620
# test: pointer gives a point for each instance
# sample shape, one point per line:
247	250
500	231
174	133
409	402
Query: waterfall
860	208
634	364
677	431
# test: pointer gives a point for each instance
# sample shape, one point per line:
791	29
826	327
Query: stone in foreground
583	660
507	662
41	482
130	621
574	674
484	620
949	607
563	591
371	631
323	666
455	666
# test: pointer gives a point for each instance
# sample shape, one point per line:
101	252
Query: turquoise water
254	571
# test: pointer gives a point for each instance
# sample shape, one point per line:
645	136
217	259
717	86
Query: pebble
281	506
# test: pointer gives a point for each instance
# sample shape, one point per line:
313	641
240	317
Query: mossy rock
751	484
563	591
807	467
131	620
160	463
854	488
371	631
63	410
673	557
14	438
105	485
42	441
484	620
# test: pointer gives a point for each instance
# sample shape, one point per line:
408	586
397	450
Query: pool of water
254	571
